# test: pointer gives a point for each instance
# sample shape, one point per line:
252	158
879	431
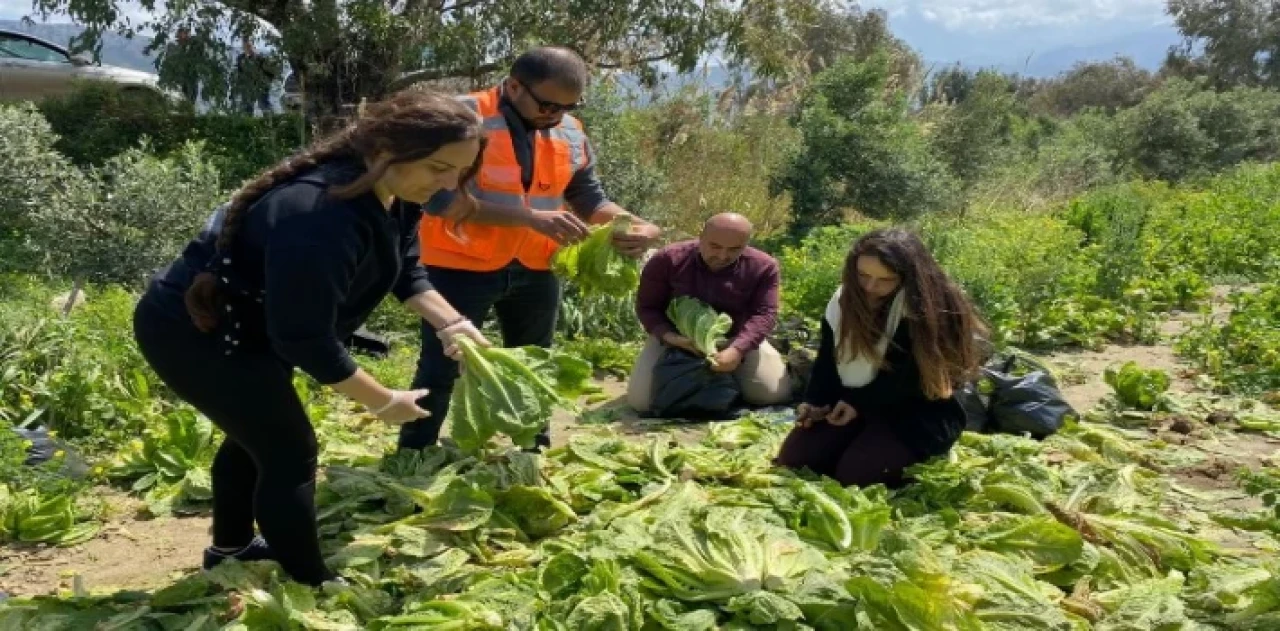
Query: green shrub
861	151
1244	351
1182	130
98	121
81	376
35	180
138	214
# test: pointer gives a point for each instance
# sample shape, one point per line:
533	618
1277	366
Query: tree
1232	42
343	50
977	129
861	150
1110	85
785	43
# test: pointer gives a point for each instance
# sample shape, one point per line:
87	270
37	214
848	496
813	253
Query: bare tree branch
433	74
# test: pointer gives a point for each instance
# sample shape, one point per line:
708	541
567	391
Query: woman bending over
283	273
898	338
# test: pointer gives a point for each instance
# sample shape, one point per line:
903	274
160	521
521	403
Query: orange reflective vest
558	153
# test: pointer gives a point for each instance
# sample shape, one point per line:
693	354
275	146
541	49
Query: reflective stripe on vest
558	153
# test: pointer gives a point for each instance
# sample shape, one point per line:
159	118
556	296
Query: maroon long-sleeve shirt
747	291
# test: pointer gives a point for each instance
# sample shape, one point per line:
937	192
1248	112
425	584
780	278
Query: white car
32	69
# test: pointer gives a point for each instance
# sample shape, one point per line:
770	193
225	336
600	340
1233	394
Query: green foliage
1136	387
109	234
98	121
595	266
606	533
34	179
364	49
623	147
28	516
861	152
1029	276
1229	43
1181	130
605	355
1109	86
169	465
1244	351
81	376
715	163
1080	155
47	478
976	132
512	391
598	317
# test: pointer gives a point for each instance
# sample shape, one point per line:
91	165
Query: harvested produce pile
1079	531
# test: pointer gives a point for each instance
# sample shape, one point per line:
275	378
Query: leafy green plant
512	392
605	355
29	516
1136	387
700	323
169	467
595	266
1244	351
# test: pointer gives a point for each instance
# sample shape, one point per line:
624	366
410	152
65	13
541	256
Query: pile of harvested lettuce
1080	531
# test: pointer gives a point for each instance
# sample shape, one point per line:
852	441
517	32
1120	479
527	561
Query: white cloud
986	15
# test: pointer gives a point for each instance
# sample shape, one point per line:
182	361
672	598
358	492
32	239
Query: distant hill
1147	49
116	50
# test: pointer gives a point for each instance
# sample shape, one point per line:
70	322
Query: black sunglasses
549	107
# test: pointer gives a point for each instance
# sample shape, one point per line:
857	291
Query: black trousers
265	470
526	302
862	453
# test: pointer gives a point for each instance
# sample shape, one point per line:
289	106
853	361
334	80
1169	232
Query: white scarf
859	371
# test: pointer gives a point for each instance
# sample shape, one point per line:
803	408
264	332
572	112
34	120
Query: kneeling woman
898	337
281	276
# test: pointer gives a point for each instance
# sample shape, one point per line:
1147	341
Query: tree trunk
71	299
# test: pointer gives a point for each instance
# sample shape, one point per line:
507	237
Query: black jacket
305	271
928	427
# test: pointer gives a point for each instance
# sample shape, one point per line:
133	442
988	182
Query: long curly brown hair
943	325
407	126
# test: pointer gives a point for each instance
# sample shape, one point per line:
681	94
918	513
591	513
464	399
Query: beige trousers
762	375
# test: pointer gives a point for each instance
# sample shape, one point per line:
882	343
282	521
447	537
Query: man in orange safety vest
536	191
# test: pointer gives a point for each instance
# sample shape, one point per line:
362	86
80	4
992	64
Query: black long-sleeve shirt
927	426
306	270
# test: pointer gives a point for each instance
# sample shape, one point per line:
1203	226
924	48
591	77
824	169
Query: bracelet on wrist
452	323
386	407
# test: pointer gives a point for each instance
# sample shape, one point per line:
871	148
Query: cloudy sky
996	15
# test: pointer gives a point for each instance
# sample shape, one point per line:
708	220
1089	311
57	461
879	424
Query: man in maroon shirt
720	269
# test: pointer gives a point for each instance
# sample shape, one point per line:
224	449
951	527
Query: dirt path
128	553
132	553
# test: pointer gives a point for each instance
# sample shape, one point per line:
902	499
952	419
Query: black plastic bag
369	343
1015	400
684	387
42	450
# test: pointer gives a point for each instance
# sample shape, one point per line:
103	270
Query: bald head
724	238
